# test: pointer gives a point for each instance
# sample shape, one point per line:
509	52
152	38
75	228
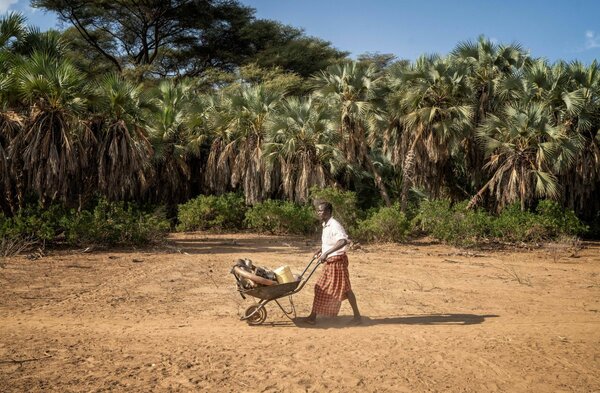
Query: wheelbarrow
256	314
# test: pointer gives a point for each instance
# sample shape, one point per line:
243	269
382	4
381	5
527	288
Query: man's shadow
431	319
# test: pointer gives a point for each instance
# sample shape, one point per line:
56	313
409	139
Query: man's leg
352	300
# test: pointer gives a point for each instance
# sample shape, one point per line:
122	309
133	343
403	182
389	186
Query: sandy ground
437	319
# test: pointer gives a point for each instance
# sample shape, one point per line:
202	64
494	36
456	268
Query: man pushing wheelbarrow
333	286
330	290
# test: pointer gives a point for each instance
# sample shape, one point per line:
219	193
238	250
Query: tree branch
71	17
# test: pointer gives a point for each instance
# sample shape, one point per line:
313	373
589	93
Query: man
333	286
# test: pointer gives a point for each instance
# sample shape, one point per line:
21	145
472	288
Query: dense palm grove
486	123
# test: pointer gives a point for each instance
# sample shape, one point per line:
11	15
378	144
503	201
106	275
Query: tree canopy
186	37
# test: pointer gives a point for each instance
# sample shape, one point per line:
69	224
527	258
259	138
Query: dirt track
438	319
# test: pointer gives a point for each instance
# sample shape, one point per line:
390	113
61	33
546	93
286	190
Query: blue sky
555	29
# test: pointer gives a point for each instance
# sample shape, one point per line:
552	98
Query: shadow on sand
431	319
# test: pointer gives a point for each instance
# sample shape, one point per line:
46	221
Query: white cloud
5	5
591	40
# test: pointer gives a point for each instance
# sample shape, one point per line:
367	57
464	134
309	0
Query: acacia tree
165	35
187	37
354	90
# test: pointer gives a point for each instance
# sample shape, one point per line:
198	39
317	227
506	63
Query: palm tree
213	116
569	92
525	151
301	139
47	149
171	133
354	91
11	125
12	27
435	116
581	190
489	68
124	151
248	112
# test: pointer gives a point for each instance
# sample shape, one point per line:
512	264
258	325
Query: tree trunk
379	183
408	171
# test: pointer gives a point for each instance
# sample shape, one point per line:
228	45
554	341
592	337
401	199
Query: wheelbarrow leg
291	312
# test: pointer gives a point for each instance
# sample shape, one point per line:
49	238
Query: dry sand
437	319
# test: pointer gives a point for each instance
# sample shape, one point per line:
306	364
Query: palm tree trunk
408	167
379	183
408	170
479	194
522	189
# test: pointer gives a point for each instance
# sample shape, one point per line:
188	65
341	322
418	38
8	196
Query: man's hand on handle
319	255
322	258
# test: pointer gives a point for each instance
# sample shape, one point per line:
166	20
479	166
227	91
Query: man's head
324	211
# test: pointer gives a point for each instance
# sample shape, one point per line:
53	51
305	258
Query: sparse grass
421	287
516	276
14	245
565	245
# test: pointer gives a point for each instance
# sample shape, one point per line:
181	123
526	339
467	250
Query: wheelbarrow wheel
256	319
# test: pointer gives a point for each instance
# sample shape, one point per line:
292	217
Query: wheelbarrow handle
308	266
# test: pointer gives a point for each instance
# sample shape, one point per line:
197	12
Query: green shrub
548	222
453	224
345	209
34	222
558	221
387	224
109	223
209	212
282	217
513	225
114	223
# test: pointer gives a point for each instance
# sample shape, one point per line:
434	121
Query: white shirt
332	232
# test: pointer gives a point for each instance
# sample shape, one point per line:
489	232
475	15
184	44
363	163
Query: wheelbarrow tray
273	291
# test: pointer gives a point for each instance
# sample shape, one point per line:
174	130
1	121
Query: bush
33	222
548	222
209	212
388	224
281	217
114	223
109	223
453	224
458	226
558	221
344	204
513	225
